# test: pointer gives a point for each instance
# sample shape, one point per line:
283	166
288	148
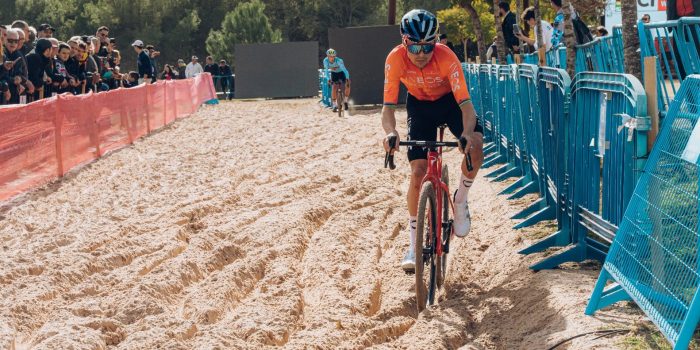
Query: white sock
412	230
465	184
335	104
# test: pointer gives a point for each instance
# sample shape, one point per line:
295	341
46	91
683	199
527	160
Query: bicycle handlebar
389	157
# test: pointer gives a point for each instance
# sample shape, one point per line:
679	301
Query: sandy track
256	224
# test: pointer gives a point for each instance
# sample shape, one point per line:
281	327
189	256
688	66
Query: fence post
58	134
650	85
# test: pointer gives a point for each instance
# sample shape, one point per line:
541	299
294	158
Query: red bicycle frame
434	176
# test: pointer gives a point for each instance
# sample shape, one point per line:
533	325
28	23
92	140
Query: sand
269	223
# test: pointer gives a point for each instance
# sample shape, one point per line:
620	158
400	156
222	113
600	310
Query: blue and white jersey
335	67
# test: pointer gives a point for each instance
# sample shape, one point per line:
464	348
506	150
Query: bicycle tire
339	101
441	261
425	248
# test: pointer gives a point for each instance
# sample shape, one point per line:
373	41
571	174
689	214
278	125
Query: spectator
62	81
213	69
24	27
32	36
558	23
13	68
443	40
227	76
168	73
181	67
143	62
38	65
193	68
152	54
676	9
45	31
547	30
601	31
131	79
103	35
492	51
75	70
507	26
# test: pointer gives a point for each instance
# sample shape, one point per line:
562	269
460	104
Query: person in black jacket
213	69
509	20
226	78
13	69
39	65
143	62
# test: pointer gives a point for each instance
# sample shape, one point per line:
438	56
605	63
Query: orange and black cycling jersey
443	74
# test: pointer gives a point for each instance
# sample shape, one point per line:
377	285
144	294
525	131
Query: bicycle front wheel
426	240
441	261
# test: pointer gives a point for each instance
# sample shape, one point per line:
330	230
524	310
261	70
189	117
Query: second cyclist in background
337	73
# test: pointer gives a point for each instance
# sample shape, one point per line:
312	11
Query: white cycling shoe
408	264
463	221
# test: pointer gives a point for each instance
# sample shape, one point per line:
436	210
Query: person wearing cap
145	69
181	66
45	31
152	54
193	68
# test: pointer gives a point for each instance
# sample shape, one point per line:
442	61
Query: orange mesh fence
44	140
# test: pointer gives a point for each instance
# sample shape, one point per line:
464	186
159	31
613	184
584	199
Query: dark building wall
364	50
277	70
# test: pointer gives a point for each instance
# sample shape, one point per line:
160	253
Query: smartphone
516	29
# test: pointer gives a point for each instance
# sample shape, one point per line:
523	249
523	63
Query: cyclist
337	73
437	94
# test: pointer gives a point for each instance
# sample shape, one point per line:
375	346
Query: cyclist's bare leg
418	169
462	222
334	94
342	89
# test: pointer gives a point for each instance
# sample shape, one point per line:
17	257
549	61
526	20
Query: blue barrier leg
546	213
515	185
489	148
494	160
499	171
556	239
601	298
530	187
531	209
576	253
514	171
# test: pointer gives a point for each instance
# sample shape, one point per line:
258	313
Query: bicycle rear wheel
446	231
426	240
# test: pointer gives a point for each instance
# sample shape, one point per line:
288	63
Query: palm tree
478	31
630	39
500	41
569	39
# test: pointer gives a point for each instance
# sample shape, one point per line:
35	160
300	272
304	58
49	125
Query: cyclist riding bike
337	74
437	95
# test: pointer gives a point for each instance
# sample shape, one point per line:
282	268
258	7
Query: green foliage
246	24
455	22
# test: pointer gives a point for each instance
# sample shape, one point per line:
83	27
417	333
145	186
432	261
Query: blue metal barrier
325	89
654	257
531	58
553	87
509	125
603	160
522	108
603	54
556	57
487	107
676	44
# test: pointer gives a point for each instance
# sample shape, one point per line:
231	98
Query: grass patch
645	336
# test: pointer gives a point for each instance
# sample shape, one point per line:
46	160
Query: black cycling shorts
424	118
338	77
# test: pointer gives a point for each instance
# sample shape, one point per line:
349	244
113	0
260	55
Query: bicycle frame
434	176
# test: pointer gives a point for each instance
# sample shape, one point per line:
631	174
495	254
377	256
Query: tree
630	39
246	24
500	41
467	21
569	39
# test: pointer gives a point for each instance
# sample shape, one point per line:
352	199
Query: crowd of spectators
34	64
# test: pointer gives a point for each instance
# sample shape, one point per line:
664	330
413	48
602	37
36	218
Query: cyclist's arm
460	90
341	65
392	80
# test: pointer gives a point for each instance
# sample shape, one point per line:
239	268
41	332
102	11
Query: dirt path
256	224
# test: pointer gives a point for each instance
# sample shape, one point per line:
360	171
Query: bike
340	97
433	234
